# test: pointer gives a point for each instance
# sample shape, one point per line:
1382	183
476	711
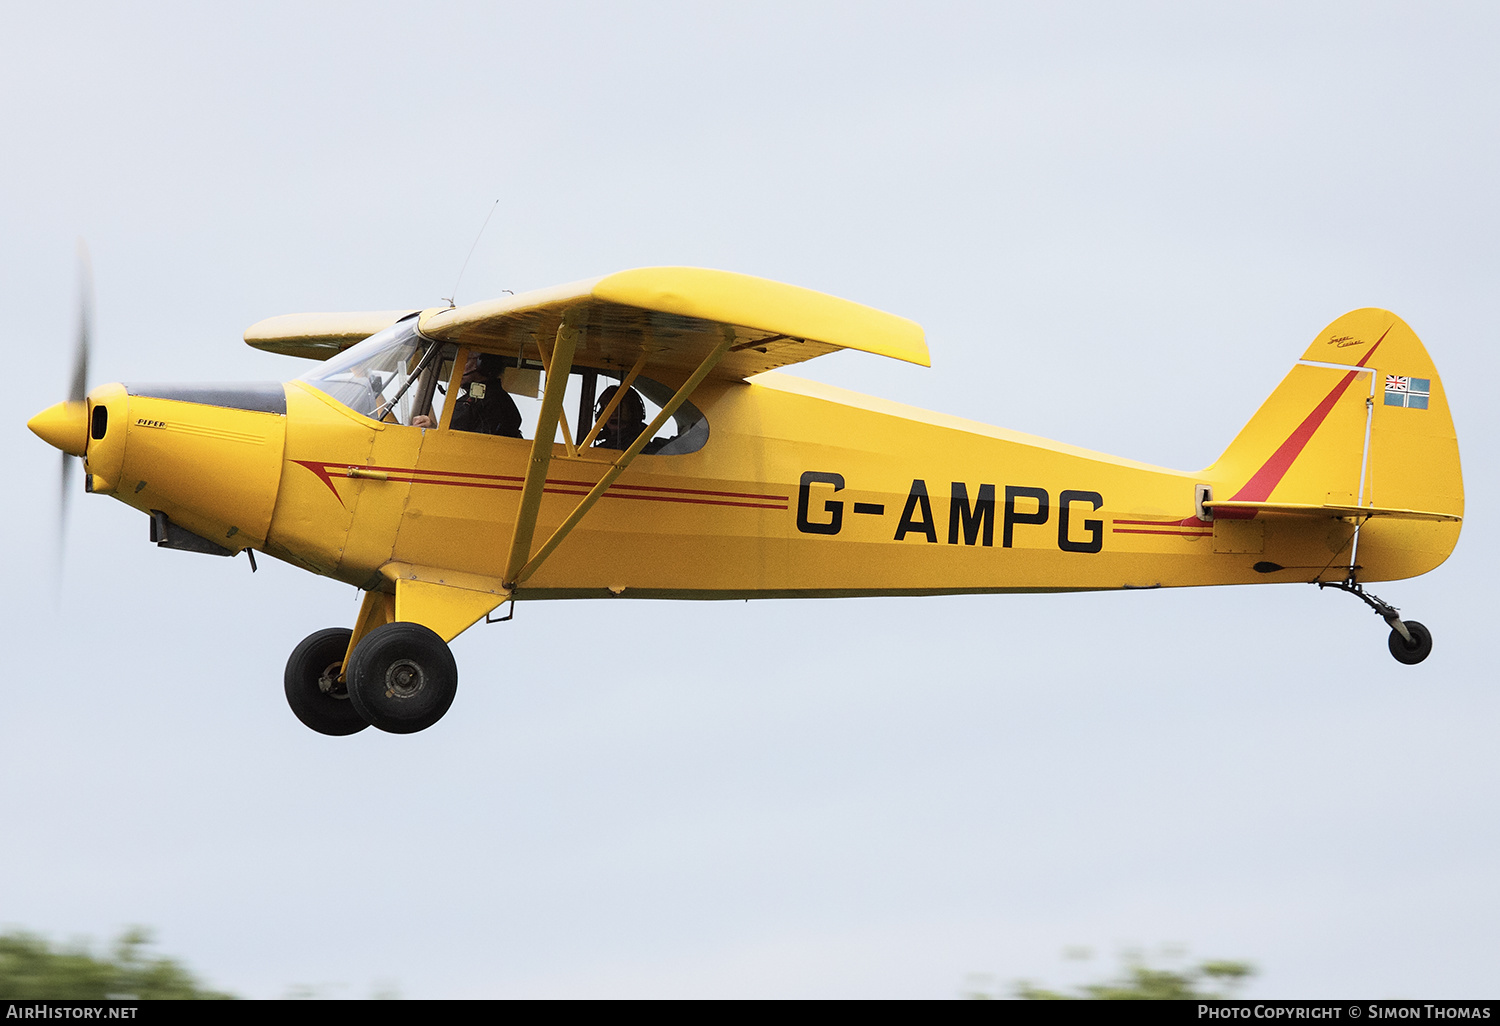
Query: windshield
368	376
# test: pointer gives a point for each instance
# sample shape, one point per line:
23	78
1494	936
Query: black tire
313	689
1413	652
402	678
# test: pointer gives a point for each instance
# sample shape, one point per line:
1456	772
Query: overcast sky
1120	224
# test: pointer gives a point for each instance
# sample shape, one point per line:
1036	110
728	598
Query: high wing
674	317
317	336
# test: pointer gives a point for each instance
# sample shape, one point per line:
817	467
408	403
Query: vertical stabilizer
1361	420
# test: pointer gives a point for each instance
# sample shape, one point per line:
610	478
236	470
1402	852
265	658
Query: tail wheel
313	689
402	678
1414	651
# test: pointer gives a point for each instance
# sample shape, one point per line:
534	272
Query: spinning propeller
65	425
78	385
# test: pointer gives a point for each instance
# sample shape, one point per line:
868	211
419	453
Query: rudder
1361	420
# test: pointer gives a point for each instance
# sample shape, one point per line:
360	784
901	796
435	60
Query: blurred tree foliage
32	969
1140	981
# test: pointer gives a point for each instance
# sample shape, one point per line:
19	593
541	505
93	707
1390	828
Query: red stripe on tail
1265	480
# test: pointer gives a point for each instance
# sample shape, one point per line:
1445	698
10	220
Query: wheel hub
403	679
329	683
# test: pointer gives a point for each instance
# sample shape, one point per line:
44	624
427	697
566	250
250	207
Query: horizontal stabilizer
1307	509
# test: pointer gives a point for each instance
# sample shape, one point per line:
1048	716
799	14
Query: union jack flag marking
1411	393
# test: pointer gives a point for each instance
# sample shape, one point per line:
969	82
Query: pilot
485	406
625	424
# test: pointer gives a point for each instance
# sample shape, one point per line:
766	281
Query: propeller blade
65	476
79	386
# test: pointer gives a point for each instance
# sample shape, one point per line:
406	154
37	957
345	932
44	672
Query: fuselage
800	490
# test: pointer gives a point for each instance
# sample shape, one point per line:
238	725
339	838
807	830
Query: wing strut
618	467
541	445
614	401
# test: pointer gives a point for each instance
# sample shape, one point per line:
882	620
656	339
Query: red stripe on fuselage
1179	534
553	486
1185	522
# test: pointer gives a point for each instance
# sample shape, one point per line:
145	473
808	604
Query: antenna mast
465	267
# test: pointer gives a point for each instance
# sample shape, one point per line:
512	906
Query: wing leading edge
317	336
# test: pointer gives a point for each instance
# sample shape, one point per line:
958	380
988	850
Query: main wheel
1414	651
402	678
313	689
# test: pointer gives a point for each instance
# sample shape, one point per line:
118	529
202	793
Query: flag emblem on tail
1409	392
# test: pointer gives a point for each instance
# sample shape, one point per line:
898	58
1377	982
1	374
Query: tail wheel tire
1414	651
402	678
313	688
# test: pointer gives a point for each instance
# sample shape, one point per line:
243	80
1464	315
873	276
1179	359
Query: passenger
485	406
625	424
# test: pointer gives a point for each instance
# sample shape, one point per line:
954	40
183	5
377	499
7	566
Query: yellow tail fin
1361	421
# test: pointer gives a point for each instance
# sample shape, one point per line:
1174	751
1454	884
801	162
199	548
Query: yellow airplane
398	464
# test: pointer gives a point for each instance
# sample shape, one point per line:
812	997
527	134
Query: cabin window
587	397
401	377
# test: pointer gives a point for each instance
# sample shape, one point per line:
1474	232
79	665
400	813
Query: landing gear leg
1409	642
